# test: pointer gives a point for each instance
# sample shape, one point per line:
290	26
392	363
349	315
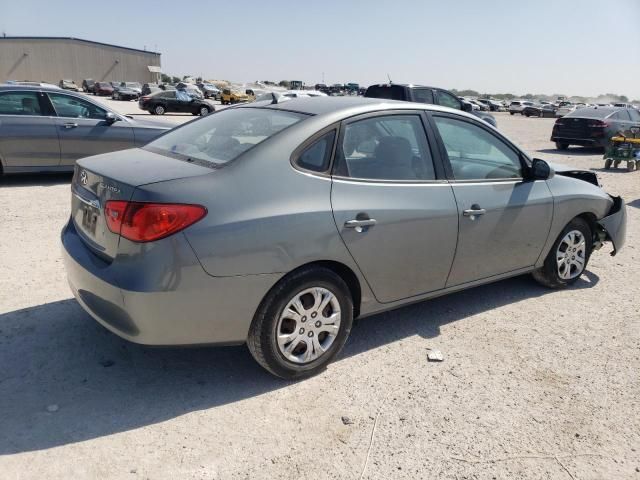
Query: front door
28	136
84	130
504	220
397	218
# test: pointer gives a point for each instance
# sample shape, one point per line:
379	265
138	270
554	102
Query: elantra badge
83	177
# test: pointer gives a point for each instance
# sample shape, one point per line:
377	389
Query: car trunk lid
115	176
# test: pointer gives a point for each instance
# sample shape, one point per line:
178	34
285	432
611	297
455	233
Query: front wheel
607	163
204	111
302	323
562	146
159	110
568	257
631	165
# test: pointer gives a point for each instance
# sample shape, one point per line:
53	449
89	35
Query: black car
593	126
88	85
422	94
547	111
124	93
173	101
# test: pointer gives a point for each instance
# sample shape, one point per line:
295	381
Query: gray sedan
278	224
47	130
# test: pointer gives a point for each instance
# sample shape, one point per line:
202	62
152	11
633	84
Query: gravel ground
534	383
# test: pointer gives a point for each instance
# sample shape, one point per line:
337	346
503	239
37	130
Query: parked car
149	88
87	85
481	106
247	227
48	129
135	86
474	105
68	85
209	90
593	127
32	84
517	106
122	92
230	96
191	89
102	89
167	86
422	94
565	108
174	101
492	105
547	111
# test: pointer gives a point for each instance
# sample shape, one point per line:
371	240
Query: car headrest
394	150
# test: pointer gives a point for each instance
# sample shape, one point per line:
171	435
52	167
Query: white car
518	105
562	111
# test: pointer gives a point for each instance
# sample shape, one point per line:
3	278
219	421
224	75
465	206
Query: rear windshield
589	113
388	92
225	135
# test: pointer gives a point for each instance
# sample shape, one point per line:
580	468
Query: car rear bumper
585	142
615	224
162	296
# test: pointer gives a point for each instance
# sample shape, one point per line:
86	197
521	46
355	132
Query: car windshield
132	84
590	113
224	136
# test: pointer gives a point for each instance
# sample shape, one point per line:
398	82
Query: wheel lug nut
318	324
310	334
301	331
304	319
314	314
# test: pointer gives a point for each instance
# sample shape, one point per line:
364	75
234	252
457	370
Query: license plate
89	219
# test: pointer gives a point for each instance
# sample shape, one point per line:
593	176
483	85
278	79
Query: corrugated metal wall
50	60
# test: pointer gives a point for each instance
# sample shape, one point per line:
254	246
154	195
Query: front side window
392	147
476	154
19	103
224	136
447	100
317	156
423	95
74	107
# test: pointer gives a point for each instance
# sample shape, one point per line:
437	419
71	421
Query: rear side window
390	147
317	156
225	135
422	95
635	115
622	115
19	103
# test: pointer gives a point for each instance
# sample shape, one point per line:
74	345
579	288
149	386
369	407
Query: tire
269	320
159	110
562	146
616	163
561	259
631	165
607	163
512	113
204	111
527	114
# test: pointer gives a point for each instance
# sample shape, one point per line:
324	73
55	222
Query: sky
573	47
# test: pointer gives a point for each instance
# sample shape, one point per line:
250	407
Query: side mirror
540	170
467	107
110	118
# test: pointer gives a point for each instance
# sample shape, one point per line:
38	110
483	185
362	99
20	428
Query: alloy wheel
308	325
571	255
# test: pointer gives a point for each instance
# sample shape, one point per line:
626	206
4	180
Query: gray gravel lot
534	383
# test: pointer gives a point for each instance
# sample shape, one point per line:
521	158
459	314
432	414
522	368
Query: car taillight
145	98
598	124
146	222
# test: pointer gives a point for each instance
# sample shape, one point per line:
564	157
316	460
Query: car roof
9	86
347	106
592	112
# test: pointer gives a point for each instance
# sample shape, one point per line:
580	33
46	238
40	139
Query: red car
103	89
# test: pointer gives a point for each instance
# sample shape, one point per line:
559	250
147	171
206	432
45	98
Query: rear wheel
607	163
159	110
631	165
568	257
302	323
562	146
204	111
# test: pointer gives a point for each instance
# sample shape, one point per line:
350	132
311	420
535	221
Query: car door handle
360	225
474	211
70	125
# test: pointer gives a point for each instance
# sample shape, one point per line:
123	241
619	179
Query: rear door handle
70	125
360	225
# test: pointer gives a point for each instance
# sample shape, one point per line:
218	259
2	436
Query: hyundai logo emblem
83	177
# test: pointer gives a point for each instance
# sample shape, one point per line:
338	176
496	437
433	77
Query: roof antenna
389	77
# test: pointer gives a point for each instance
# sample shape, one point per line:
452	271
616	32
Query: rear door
84	131
28	136
394	210
504	219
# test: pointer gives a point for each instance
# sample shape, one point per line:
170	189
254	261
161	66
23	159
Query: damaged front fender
614	225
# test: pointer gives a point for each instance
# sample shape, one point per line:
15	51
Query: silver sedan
278	224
